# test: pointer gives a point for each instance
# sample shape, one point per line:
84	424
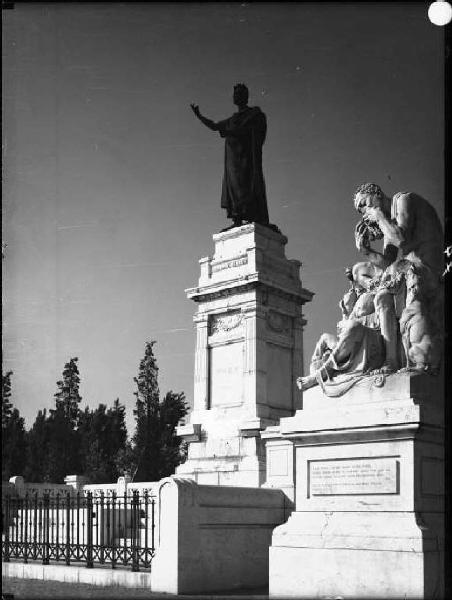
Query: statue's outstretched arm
207	122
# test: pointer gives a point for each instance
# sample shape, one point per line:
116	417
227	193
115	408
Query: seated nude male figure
412	242
358	346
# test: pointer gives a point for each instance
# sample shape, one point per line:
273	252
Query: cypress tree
155	444
7	406
67	398
63	457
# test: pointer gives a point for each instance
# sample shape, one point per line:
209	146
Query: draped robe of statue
243	191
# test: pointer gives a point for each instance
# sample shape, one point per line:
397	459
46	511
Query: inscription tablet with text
353	476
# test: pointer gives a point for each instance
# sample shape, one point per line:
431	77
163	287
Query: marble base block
368	485
357	555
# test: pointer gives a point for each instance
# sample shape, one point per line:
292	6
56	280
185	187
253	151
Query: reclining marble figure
359	346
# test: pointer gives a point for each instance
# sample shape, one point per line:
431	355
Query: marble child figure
358	347
243	192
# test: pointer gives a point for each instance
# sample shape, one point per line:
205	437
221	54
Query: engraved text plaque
353	476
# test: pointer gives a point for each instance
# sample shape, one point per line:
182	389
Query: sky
111	189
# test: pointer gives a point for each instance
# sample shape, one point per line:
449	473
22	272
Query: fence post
18	522
125	529
6	510
78	526
146	525
25	541
20	526
35	527
153	525
46	530
135	522
100	522
89	532
113	530
68	528
57	515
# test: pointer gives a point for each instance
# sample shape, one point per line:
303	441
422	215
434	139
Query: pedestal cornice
244	284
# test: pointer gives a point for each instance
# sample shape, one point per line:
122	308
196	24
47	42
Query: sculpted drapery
243	191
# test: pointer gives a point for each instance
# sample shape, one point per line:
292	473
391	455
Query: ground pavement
22	589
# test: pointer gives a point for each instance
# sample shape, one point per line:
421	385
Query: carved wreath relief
225	323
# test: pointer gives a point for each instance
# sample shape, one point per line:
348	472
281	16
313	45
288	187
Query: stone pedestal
248	354
367	474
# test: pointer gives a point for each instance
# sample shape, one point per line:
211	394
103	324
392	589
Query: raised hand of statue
195	109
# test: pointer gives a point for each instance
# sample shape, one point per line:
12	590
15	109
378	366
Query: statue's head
369	195
240	96
363	273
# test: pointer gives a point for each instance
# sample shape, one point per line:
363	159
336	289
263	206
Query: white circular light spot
440	13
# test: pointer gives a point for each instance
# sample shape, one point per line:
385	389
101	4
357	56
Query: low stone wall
19	487
102	577
214	538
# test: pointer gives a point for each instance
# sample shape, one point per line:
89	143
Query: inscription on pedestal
230	264
353	476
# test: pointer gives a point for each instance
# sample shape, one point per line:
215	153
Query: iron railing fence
117	530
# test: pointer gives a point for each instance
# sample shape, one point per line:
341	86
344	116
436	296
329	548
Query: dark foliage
38	441
13	433
156	447
103	434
